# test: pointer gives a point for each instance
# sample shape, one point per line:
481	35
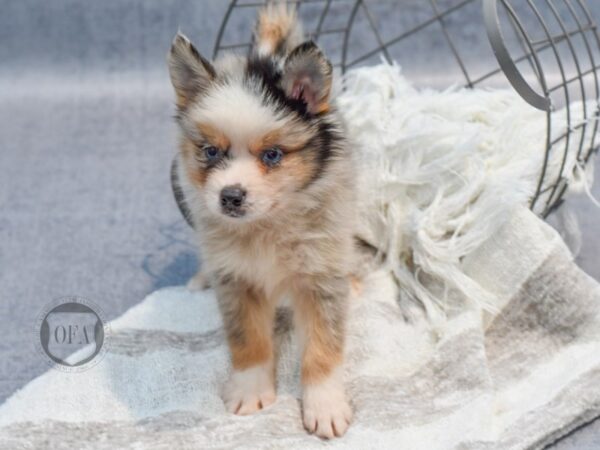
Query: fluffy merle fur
296	239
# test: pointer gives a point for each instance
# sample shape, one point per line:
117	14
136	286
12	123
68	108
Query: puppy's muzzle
233	199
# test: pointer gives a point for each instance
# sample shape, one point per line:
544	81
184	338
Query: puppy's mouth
234	213
246	211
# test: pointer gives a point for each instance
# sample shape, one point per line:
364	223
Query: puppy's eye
272	156
212	153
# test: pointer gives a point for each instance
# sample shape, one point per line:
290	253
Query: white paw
326	411
198	282
250	390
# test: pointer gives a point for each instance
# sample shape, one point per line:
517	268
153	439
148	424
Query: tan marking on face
195	172
296	167
214	136
271	139
291	138
300	167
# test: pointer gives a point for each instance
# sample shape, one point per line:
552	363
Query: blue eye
212	153
272	156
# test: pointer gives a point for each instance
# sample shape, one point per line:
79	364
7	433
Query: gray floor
86	137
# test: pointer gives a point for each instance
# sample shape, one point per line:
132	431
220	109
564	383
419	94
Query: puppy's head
255	131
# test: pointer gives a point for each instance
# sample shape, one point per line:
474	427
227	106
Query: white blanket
531	376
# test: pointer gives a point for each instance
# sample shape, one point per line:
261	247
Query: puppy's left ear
307	76
191	74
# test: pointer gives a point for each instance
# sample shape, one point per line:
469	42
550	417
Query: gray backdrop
86	138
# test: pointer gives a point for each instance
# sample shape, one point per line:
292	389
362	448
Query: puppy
268	178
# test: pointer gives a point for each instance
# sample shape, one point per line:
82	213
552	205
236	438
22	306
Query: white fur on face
242	170
239	113
243	118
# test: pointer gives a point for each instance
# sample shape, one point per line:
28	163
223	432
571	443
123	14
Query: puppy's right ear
191	74
307	76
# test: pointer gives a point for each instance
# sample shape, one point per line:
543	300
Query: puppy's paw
326	413
198	282
250	390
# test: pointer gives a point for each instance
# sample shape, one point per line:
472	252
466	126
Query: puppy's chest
261	260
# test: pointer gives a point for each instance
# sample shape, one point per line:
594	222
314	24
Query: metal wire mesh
548	50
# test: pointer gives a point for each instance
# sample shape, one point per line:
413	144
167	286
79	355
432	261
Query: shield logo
71	338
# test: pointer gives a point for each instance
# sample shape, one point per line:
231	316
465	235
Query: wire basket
548	50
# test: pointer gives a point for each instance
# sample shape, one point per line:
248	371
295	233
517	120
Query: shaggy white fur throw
442	171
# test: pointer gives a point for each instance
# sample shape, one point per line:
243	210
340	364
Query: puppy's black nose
232	200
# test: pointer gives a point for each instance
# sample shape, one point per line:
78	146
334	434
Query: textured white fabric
511	381
442	170
501	349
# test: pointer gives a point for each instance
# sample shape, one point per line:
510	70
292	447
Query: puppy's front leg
321	306
248	318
